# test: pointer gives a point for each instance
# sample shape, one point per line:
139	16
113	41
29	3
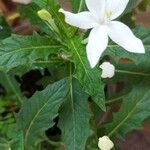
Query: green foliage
11	86
74	118
37	113
5	30
133	111
18	51
14	144
78	5
89	78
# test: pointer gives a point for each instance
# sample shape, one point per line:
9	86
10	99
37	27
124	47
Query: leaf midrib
80	6
80	59
27	48
72	107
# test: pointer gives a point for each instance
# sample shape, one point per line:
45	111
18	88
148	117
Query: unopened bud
46	16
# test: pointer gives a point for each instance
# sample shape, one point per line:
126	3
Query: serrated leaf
24	51
88	77
74	118
134	110
37	113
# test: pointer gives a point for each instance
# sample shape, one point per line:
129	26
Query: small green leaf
37	113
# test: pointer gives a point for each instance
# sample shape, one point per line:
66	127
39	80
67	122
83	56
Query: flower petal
116	7
22	1
83	20
97	43
97	7
123	36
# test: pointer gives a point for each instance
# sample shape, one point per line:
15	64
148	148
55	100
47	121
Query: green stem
132	72
115	100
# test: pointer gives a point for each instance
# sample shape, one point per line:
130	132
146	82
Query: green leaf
74	118
17	142
88	77
4	144
37	113
11	86
78	5
18	51
5	30
134	110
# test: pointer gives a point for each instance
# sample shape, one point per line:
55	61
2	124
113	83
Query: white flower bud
22	1
105	143
108	70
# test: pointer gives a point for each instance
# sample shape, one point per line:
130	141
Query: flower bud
105	143
46	16
108	70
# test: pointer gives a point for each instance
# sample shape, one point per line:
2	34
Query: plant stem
132	72
115	100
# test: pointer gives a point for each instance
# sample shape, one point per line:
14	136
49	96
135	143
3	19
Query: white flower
108	70
22	1
105	143
100	17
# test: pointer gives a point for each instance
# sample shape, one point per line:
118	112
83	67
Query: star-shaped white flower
108	70
100	18
105	143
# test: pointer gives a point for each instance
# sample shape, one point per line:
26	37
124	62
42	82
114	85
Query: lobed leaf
18	51
88	77
37	113
133	112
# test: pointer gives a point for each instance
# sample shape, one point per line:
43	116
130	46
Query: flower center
107	17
